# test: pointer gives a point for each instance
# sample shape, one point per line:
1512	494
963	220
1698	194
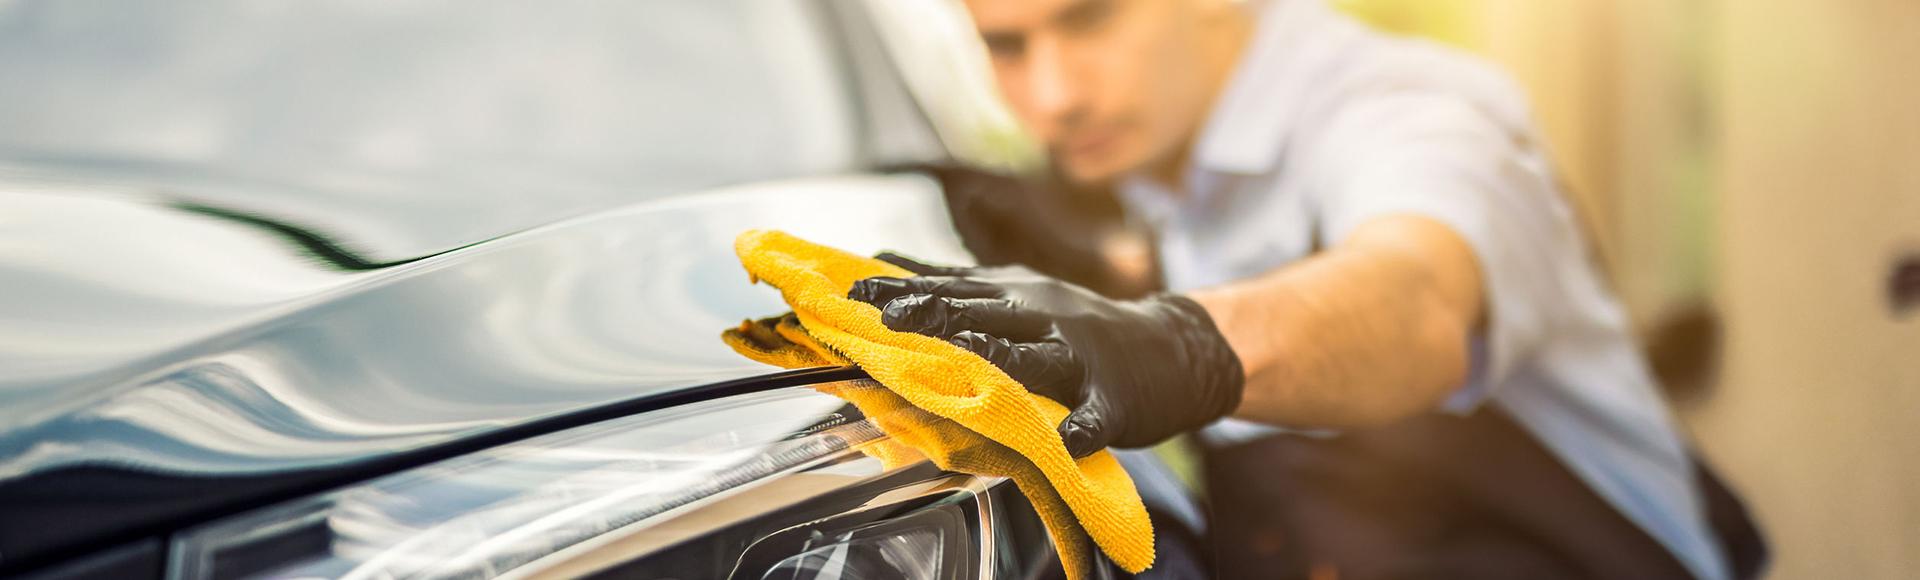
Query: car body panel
203	346
253	256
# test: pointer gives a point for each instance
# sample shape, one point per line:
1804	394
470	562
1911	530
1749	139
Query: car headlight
603	489
920	546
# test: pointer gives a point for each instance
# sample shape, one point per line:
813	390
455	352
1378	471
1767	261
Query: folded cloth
940	401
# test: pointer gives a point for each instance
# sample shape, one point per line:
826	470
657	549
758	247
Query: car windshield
414	127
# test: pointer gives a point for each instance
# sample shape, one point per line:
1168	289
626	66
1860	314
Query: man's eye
1006	47
1087	15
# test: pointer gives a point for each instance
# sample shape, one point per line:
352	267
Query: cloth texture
939	401
1326	125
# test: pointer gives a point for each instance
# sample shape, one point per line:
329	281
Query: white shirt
1326	125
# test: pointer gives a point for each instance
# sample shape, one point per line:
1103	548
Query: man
1364	240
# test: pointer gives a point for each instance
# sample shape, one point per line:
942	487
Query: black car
398	290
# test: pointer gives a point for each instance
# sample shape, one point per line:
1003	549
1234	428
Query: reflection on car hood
176	338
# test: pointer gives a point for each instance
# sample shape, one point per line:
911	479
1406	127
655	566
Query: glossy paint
148	338
165	339
504	508
253	253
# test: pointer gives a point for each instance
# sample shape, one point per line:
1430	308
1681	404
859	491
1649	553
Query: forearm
1369	332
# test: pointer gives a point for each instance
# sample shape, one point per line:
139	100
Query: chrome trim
984	499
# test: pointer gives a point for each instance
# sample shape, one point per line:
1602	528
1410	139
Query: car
386	290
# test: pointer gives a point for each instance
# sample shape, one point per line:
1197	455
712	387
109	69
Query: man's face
1109	85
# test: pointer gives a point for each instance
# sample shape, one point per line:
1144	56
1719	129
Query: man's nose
1055	94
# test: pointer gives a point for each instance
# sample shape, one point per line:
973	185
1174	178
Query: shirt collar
1253	115
1250	119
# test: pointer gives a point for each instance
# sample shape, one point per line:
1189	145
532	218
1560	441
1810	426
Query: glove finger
942	317
880	290
1085	430
1045	368
921	268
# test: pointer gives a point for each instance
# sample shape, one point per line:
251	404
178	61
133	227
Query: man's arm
1374	330
1369	332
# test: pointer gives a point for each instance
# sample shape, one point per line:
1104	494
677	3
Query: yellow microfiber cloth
940	401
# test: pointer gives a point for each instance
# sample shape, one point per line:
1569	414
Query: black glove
1044	224
1134	372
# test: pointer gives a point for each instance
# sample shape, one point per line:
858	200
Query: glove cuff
1220	378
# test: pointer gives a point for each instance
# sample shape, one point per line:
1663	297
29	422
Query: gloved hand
1055	229
1134	372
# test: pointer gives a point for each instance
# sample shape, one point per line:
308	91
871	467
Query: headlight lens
493	512
920	546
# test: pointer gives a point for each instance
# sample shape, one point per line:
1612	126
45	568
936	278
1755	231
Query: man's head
1111	86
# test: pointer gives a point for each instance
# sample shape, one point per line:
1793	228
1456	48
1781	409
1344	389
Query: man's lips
1091	143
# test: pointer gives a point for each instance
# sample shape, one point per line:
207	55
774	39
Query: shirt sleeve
1437	156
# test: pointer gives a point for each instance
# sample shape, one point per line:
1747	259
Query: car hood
146	332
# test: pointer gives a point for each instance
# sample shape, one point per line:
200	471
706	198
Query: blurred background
1752	173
